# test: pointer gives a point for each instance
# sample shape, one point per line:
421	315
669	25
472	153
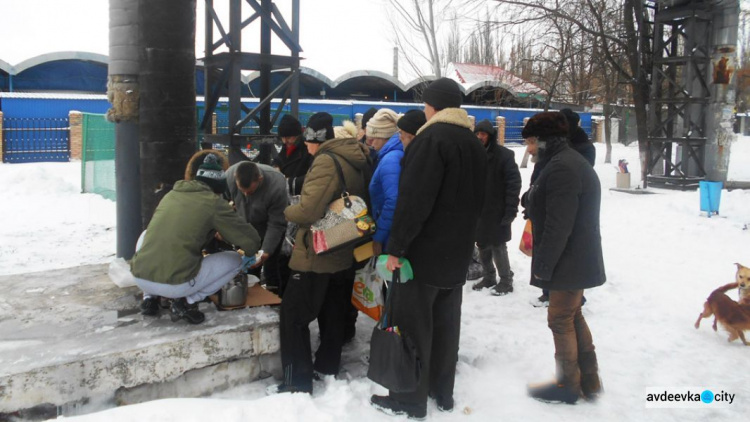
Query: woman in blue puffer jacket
383	134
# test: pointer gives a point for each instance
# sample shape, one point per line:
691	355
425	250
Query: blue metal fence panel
35	140
51	107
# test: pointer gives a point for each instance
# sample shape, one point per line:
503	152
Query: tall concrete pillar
723	84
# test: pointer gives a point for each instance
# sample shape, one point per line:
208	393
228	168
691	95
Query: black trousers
432	317
309	296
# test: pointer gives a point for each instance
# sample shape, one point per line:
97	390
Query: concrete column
473	122
358	120
2	141
525	160
214	124
75	119
500	123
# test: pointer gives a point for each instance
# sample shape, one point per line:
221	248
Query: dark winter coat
580	142
440	197
563	205
384	187
501	196
321	187
295	166
264	209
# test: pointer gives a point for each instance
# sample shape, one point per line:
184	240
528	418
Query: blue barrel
710	196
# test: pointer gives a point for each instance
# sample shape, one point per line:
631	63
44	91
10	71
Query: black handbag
394	363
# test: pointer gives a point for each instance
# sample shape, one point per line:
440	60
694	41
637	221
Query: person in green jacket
169	261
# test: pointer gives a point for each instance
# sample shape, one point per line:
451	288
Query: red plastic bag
527	241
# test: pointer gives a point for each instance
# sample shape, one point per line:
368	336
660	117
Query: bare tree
416	27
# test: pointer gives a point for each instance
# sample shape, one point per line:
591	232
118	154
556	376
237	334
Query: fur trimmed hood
347	130
452	116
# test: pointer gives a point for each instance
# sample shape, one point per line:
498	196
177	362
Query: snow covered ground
662	259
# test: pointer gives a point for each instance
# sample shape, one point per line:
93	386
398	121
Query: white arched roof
60	55
371	73
6	67
246	79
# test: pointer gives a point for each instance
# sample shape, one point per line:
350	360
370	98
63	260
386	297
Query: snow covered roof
473	76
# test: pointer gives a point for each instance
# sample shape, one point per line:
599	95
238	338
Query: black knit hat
411	121
367	116
485	126
443	93
572	116
548	123
289	126
319	128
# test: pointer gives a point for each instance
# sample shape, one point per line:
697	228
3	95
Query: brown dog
735	318
743	282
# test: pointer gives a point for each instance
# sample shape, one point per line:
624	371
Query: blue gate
35	140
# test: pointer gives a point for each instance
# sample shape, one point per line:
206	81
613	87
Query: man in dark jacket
500	208
441	192
259	195
577	136
563	205
293	161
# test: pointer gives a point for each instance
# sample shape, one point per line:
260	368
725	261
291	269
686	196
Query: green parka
184	221
321	187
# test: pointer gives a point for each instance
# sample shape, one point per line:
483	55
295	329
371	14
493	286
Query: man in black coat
563	204
441	192
293	160
500	208
577	136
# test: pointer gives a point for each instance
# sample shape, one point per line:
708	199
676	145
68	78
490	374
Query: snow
662	257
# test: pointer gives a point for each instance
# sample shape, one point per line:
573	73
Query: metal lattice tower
680	94
223	70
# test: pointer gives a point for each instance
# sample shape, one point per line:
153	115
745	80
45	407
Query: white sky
337	36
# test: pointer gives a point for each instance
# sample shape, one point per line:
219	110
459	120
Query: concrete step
71	336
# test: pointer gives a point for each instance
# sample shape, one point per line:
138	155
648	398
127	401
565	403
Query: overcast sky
337	36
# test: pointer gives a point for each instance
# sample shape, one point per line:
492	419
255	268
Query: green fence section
98	156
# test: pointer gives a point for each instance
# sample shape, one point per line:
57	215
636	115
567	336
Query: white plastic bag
119	273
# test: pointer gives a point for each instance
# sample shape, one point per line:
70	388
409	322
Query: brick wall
76	134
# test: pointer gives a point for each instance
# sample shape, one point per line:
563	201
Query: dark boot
487	281
393	407
502	288
150	306
591	384
444	404
182	310
567	388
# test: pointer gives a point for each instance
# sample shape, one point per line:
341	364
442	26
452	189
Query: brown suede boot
591	384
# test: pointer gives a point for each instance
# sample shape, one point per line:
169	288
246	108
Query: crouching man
170	262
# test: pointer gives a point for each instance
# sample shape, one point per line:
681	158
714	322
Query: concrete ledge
70	335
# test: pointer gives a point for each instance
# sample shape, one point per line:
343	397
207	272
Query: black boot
502	288
182	310
150	306
393	407
567	388
487	281
444	404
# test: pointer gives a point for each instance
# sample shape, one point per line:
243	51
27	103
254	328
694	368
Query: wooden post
500	123
75	119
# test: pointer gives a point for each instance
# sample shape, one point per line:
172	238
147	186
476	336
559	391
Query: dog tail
727	287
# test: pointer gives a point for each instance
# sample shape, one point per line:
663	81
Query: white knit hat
382	124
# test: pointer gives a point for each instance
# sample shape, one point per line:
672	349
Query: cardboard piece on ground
256	296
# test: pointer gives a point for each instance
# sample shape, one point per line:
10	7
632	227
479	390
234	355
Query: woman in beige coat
321	288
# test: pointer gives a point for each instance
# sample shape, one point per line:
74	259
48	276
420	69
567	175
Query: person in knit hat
321	286
499	210
362	134
577	136
169	262
409	124
381	128
293	160
567	252
441	191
